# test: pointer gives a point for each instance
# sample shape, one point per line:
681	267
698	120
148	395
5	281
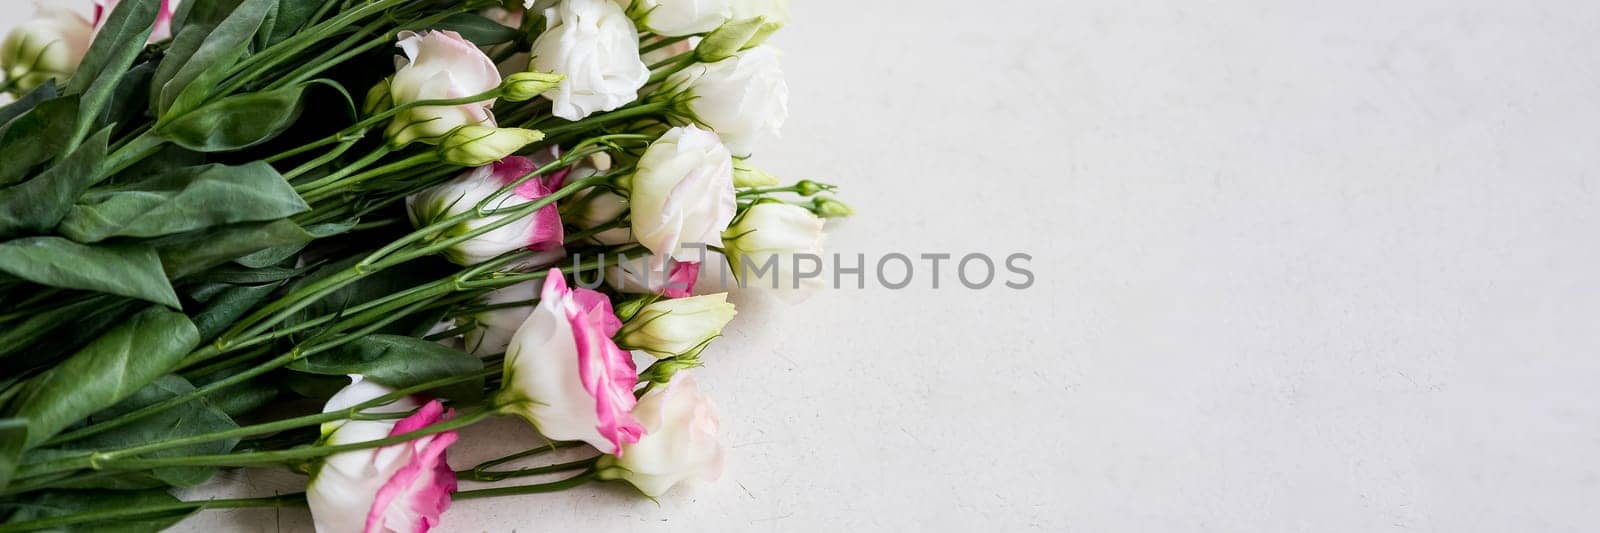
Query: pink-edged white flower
539	232
163	28
598	207
565	375
398	488
595	45
440	65
744	98
682	193
678	18
680	442
677	326
49	46
653	275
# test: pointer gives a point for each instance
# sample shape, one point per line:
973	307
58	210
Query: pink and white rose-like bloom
539	232
48	47
595	45
654	275
682	193
680	442
440	65
398	488
163	29
565	375
744	98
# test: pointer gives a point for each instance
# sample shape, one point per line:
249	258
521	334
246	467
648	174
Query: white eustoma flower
400	488
49	46
595	45
743	98
677	18
653	274
682	193
538	232
677	326
495	327
440	65
680	441
763	245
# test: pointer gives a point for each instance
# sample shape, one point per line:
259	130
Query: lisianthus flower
595	45
440	65
677	18
763	243
653	275
539	232
48	47
682	193
398	488
680	442
564	374
743	98
677	326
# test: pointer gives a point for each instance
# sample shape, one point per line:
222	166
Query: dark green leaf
246	275
229	305
395	361
481	31
235	122
189	199
275	255
292	15
59	330
36	205
371	287
44	92
191	253
35	137
132	270
201	12
119	40
105	372
55	503
189	82
127	102
197	417
13	437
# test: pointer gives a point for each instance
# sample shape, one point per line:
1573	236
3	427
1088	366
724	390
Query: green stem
353	168
136	150
492	476
554	486
59	522
313	194
591	122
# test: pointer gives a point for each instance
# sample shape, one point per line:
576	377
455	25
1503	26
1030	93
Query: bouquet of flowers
324	235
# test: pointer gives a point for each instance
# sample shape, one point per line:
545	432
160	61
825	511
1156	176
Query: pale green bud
379	98
524	86
746	175
731	37
677	326
475	146
830	208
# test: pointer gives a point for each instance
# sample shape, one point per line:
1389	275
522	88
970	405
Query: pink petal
680	283
425	483
607	371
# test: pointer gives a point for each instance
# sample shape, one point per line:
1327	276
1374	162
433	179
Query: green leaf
277	254
190	80
44	92
192	253
201	12
245	275
235	122
108	370
13	437
119	40
228	306
292	15
35	137
396	361
198	417
132	270
481	31
59	330
127	102
36	205
36	506
189	199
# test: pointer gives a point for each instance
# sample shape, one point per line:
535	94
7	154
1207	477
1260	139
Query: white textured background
1302	266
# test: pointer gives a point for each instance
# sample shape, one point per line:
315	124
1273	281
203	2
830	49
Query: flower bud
473	146
677	326
746	175
762	244
678	18
48	47
679	444
776	13
379	98
524	86
830	208
440	65
728	39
